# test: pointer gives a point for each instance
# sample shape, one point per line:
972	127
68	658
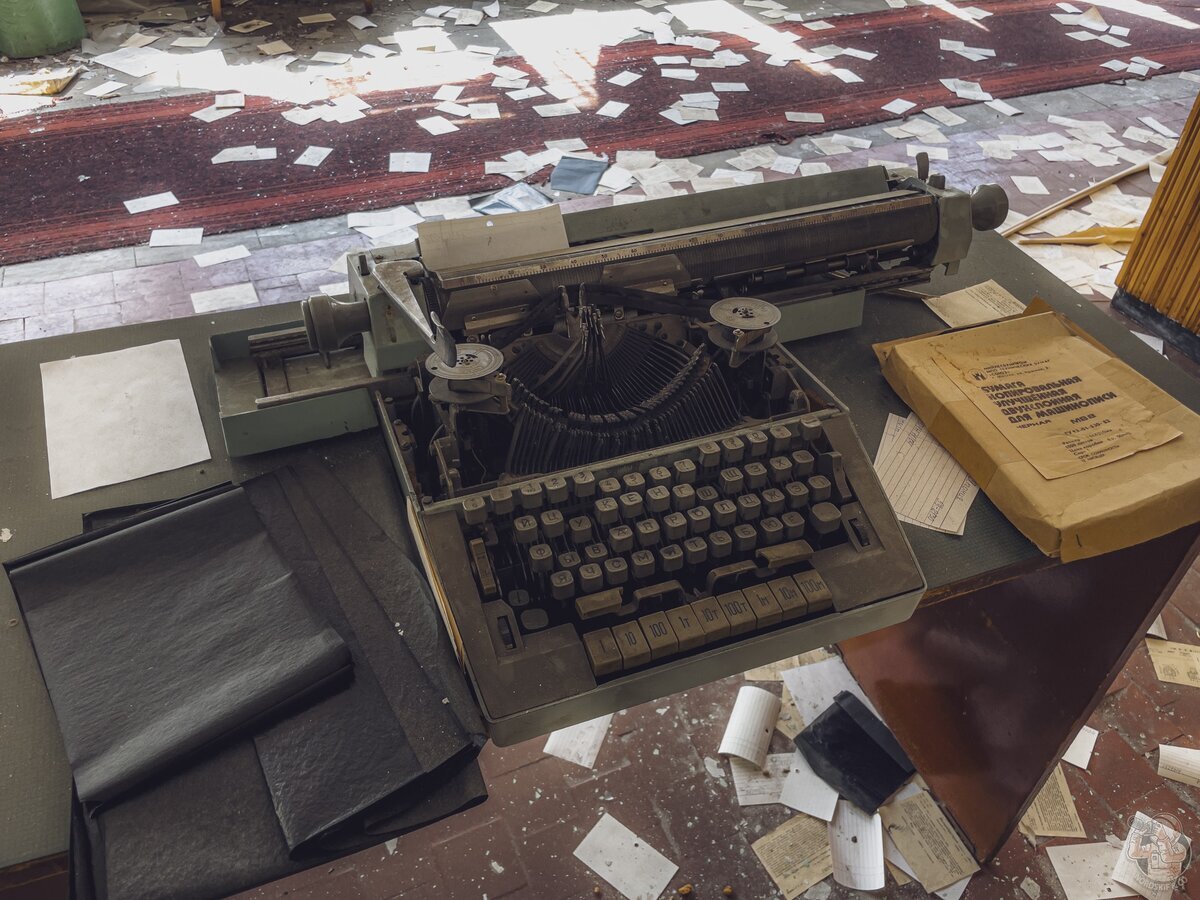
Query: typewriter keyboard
660	558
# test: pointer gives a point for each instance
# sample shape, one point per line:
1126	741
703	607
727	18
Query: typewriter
621	482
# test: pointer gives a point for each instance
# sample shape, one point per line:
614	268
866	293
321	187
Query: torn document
748	733
580	743
856	845
796	855
1053	813
924	835
625	861
1079	754
1153	858
761	785
984	302
925	484
114	417
805	791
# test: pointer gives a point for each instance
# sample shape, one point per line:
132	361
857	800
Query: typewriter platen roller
623	484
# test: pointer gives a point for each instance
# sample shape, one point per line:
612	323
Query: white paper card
856	842
1080	752
155	201
580	743
313	156
925	484
235	296
409	162
176	237
1084	870
805	791
113	417
748	732
216	257
625	861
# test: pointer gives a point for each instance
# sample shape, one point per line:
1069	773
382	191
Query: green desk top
34	779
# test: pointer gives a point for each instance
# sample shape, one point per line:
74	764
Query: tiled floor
651	773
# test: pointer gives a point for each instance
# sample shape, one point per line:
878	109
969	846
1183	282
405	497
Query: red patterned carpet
130	150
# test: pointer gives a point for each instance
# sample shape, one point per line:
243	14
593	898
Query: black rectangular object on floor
855	753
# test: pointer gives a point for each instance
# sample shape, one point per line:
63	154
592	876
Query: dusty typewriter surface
641	503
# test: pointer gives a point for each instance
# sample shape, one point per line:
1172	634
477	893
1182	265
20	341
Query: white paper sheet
176	237
113	417
1080	752
625	861
234	296
814	686
154	201
216	257
806	792
580	743
856	842
1180	764
313	156
761	785
409	162
1084	871
748	733
924	483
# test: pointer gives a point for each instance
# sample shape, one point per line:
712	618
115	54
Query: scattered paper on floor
625	860
1080	752
856	845
1053	813
751	722
789	723
580	743
216	257
796	855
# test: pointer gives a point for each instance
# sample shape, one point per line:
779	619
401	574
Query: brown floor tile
495	868
1118	774
1143	725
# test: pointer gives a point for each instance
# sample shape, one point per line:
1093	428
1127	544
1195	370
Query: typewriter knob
989	207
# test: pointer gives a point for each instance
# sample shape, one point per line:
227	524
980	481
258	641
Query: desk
977	685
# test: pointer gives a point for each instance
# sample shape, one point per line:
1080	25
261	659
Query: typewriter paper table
1007	655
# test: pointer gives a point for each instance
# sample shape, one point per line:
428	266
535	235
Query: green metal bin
38	27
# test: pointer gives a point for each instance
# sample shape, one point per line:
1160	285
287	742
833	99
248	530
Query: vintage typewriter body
621	482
